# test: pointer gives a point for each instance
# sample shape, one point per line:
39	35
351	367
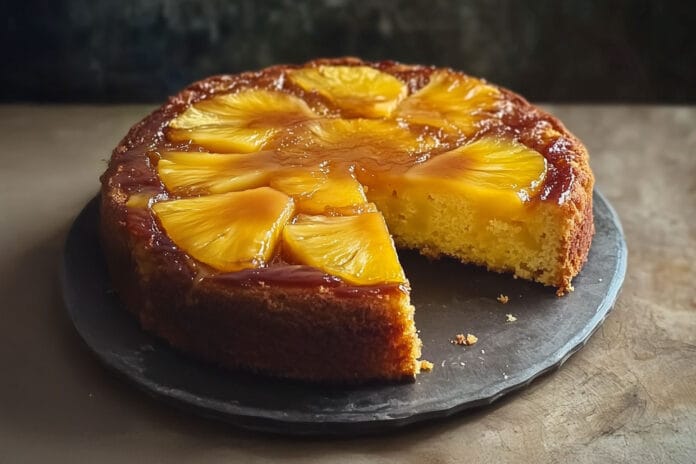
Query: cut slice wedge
358	90
358	248
238	122
193	173
450	101
229	231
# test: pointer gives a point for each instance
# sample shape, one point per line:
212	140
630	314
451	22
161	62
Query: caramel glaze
131	169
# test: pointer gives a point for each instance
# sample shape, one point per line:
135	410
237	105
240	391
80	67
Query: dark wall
101	50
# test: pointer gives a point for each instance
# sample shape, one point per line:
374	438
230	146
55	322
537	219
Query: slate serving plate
450	298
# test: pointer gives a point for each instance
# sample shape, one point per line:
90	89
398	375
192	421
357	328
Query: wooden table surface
628	396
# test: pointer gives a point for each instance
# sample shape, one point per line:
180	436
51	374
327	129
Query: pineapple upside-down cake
253	220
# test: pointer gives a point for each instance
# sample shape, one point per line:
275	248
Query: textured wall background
104	50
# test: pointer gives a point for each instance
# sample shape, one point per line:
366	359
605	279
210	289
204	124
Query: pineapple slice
193	173
499	172
225	139
358	248
450	101
238	122
314	191
359	90
228	231
374	144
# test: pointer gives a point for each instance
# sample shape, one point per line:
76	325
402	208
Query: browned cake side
289	320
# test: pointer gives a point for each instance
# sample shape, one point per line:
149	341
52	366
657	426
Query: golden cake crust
294	321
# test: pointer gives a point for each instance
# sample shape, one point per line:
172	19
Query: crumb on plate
466	340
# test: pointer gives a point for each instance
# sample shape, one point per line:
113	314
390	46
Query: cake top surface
294	149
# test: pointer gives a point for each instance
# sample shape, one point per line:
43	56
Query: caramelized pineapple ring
358	248
358	90
228	231
452	102
239	122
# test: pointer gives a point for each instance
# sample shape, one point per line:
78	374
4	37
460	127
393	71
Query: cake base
451	298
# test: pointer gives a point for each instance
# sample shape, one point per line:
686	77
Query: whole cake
252	221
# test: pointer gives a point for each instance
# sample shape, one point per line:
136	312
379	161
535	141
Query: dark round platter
450	298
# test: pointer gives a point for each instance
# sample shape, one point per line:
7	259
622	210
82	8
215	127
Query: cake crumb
426	366
510	318
466	340
503	298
